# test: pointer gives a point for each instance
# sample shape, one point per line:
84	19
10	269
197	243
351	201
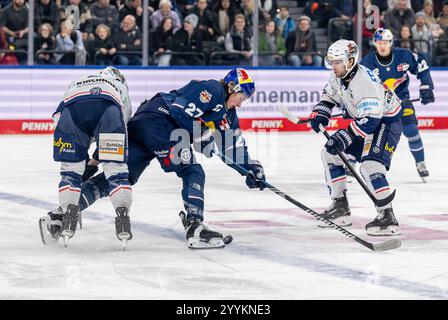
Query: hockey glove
426	94
321	115
89	171
256	176
340	140
205	144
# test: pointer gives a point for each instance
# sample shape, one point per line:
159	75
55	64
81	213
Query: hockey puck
228	239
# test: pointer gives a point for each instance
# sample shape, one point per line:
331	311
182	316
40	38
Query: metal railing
187	54
308	53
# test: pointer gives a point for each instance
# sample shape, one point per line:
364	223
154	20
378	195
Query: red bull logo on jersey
243	77
402	67
205	96
393	83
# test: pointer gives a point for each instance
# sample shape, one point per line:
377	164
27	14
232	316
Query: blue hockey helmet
238	80
383	34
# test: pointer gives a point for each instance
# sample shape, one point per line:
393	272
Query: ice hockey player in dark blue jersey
95	107
392	65
202	114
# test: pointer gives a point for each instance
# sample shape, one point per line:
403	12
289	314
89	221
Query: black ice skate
338	212
384	224
199	236
69	222
50	226
123	226
422	171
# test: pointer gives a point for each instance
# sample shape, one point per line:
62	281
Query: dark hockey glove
205	144
321	115
256	176
89	171
426	94
340	140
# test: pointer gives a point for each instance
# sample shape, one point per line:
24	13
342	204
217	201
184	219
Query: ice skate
338	212
384	224
69	223
422	171
199	236
50	226
123	226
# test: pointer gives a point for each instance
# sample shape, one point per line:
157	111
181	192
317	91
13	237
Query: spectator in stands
271	45
441	54
367	30
128	41
4	3
428	9
247	9
268	8
6	58
46	11
301	41
104	13
381	4
420	34
442	20
70	42
187	39
397	17
405	39
284	23
205	20
238	40
183	6
165	11
103	47
14	20
45	41
134	8
160	40
85	20
224	14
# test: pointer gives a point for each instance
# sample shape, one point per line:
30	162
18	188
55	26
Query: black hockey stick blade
385	201
387	245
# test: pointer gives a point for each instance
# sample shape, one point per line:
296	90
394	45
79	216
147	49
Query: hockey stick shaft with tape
383	246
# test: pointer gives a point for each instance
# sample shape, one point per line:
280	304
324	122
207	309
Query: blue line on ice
308	264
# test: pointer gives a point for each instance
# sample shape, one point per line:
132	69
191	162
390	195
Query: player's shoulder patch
205	96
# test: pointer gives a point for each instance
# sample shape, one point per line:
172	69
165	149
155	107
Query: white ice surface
278	251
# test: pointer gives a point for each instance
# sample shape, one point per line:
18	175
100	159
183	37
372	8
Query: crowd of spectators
218	32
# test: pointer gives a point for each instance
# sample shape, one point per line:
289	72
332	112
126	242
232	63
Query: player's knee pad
374	174
410	130
70	184
120	191
328	158
193	178
92	190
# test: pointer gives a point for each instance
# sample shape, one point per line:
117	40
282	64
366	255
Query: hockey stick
382	246
377	202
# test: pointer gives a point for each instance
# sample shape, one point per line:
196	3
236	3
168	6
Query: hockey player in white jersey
370	139
94	108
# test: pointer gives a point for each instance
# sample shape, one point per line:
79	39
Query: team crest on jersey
205	96
402	67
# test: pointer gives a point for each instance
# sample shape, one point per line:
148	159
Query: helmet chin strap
348	70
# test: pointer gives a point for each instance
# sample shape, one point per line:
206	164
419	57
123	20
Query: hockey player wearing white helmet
94	107
371	138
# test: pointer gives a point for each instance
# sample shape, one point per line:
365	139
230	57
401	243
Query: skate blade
386	232
423	179
214	243
124	242
66	239
80	220
341	221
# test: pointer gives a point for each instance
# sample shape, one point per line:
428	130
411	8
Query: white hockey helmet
342	50
114	74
